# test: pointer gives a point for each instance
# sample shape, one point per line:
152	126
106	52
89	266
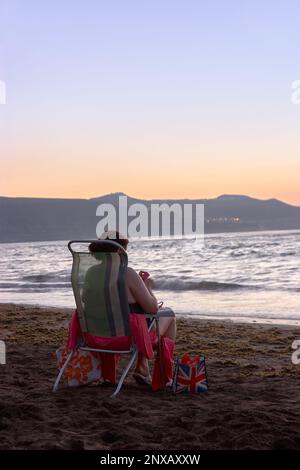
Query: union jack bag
190	375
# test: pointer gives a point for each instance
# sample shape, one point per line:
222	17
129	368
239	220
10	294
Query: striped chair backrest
99	286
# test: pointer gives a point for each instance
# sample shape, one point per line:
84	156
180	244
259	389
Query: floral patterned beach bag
83	368
190	375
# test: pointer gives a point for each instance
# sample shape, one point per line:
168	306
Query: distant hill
39	219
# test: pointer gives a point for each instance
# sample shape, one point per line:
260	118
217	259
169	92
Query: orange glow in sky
175	104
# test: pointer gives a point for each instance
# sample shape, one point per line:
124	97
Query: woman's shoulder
133	279
131	272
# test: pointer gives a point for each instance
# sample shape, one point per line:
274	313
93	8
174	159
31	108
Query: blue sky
180	98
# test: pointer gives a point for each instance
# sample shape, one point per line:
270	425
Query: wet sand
253	400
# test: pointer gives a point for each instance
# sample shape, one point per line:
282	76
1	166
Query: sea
244	277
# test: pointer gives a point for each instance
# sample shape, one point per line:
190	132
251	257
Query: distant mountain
38	219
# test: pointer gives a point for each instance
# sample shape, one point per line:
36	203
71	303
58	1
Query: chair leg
129	365
55	387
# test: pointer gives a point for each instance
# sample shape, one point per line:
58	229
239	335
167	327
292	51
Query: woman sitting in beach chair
116	314
141	301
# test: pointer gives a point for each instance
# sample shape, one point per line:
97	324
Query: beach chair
98	282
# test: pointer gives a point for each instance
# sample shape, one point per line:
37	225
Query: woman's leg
167	327
142	365
162	375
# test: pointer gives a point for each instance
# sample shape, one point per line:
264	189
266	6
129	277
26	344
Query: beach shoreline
282	323
252	402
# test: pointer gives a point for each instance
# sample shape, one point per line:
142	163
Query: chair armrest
163	312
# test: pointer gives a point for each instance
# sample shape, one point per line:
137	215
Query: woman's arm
142	293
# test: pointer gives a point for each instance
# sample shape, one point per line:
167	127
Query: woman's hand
141	291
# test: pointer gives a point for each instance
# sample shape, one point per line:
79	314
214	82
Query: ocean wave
180	285
62	276
288	253
34	286
175	284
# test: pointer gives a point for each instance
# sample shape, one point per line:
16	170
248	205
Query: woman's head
113	236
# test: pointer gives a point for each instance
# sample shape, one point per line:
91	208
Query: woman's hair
98	246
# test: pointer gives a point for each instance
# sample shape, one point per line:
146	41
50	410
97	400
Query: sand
253	401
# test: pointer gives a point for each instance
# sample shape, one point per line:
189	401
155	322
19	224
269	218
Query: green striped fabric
98	281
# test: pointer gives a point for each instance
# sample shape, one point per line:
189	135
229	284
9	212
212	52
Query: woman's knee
165	323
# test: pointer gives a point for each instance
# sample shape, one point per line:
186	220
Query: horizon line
120	193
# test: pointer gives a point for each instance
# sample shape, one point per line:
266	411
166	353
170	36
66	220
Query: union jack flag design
191	377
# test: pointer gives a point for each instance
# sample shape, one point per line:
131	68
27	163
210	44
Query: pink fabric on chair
142	338
109	362
167	350
74	331
121	343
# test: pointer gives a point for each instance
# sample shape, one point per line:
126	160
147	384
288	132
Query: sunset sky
159	98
